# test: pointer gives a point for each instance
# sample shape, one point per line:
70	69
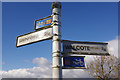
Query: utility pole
56	54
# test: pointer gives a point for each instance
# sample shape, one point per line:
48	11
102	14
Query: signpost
43	23
50	27
33	37
86	48
74	62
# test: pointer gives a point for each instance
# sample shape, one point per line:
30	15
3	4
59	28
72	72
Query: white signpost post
56	45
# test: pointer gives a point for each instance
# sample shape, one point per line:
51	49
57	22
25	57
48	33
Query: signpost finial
56	4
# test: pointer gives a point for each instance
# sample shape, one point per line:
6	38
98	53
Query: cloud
35	72
43	71
0	75
75	73
41	62
113	46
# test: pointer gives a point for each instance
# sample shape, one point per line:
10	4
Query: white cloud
41	62
113	47
43	71
75	73
22	73
0	75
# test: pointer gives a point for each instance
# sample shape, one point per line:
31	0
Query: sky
80	21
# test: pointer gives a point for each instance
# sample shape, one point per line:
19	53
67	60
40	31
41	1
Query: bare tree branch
103	67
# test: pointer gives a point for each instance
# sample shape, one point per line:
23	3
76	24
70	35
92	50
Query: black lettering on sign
28	38
74	47
78	47
68	46
88	48
81	47
104	49
47	33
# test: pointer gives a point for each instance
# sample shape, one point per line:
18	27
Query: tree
104	67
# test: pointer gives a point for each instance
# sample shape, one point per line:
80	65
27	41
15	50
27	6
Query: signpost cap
56	5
